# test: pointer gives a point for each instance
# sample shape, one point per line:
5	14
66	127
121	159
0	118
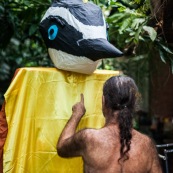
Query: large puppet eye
52	32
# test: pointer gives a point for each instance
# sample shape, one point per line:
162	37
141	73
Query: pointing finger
82	98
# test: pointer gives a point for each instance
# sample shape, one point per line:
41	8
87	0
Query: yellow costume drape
38	104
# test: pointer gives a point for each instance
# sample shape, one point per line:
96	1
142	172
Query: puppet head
75	34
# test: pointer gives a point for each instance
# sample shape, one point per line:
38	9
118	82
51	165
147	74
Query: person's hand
79	108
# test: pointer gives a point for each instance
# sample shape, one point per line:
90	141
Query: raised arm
71	143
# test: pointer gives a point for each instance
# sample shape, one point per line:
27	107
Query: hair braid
120	93
125	126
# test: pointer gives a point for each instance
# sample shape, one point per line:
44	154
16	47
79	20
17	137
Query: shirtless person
117	147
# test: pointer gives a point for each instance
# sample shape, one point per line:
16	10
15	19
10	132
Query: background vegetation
133	29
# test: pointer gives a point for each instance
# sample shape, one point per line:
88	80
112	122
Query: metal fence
167	148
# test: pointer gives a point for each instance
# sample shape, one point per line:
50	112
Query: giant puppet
75	34
38	102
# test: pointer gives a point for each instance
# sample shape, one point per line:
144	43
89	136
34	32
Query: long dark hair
120	93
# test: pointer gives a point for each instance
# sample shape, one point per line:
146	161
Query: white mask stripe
89	32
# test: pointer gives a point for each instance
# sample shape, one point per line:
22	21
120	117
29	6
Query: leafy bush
132	29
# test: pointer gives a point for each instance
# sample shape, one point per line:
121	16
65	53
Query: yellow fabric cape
38	105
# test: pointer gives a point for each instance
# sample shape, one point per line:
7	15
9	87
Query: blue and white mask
76	36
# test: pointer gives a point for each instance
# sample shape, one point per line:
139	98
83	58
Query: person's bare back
102	153
117	147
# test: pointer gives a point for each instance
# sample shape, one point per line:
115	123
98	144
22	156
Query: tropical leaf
33	29
162	56
140	57
151	31
137	22
166	48
116	18
171	64
124	25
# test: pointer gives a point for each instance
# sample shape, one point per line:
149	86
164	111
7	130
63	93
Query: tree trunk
161	88
161	102
168	21
162	12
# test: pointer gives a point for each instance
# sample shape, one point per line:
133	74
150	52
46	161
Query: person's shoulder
143	138
88	133
140	135
91	135
146	146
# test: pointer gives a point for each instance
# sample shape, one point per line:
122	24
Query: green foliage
135	32
131	30
130	25
20	41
